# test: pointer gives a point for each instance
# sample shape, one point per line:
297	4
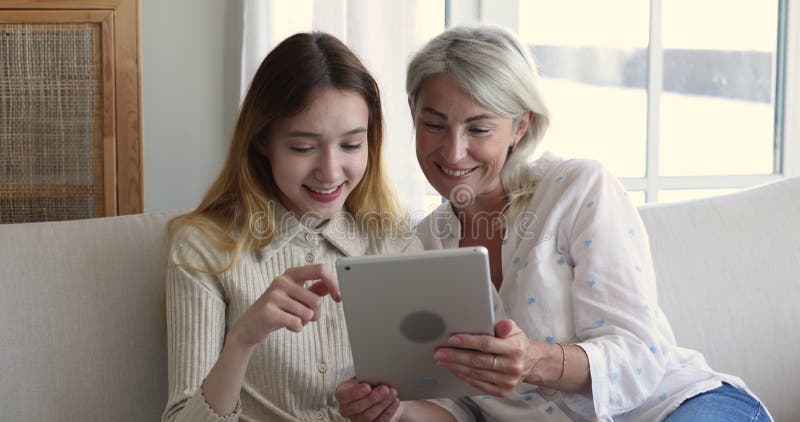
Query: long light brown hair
245	190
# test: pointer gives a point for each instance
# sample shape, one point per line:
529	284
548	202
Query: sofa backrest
728	273
82	324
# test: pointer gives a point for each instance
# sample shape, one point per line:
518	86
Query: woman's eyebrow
355	131
481	116
434	112
484	116
306	134
302	134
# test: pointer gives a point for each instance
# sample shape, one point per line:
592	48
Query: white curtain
384	33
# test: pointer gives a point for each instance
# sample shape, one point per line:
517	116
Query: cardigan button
309	259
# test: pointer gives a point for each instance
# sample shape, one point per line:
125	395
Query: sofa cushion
728	273
83	327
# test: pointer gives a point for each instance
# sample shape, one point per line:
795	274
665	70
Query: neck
491	204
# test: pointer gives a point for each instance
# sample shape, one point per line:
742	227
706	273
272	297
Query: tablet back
400	308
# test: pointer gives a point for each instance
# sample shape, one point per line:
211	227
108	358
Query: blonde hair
245	189
493	66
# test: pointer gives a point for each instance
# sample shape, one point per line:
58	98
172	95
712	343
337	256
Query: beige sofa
82	334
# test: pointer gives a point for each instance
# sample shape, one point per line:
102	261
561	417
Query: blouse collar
340	231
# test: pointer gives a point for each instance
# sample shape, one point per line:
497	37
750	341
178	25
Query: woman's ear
261	147
523	124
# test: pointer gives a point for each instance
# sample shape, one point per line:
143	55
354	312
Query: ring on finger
494	361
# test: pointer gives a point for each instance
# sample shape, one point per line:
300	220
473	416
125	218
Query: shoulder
581	169
585	193
580	176
396	239
551	175
437	226
194	244
539	169
402	243
358	235
574	187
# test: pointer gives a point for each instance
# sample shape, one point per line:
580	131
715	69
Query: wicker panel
24	210
51	145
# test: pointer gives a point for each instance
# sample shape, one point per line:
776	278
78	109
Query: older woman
580	333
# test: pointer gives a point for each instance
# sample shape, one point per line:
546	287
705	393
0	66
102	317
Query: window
680	99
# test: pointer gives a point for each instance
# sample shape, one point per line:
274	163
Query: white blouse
577	269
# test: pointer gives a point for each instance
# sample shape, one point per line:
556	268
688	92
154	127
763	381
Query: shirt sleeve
195	328
613	293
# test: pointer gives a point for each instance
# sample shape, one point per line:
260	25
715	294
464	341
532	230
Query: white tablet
400	308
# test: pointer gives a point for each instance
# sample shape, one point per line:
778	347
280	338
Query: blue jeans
722	404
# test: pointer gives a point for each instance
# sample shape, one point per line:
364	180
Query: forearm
420	410
547	372
223	384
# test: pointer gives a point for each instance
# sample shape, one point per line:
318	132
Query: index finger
483	343
316	272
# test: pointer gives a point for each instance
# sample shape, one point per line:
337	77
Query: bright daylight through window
711	123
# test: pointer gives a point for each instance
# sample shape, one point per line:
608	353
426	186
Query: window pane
637	197
593	63
717	105
674	195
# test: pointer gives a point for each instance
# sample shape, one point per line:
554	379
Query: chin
328	212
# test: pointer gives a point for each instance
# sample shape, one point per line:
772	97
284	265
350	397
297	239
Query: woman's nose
329	167
455	148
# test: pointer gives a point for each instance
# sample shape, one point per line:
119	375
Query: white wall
190	68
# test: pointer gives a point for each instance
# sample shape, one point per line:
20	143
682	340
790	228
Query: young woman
303	184
580	333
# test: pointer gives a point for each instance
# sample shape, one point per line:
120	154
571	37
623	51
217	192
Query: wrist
221	387
235	346
547	371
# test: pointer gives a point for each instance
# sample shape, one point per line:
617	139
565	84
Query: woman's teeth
323	191
452	172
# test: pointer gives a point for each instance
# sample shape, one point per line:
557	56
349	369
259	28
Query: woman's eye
433	126
301	149
479	131
352	147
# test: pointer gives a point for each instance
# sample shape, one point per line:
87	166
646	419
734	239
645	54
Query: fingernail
455	341
438	355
